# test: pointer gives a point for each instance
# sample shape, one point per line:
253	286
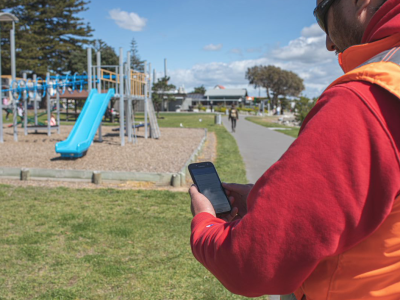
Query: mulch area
165	155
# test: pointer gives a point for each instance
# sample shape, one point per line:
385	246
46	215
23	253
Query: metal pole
99	89
269	109
89	63
116	80
94	86
48	103
121	98
165	67
13	77
25	99
12	40
152	130
58	113
145	101
150	82
1	99
34	98
128	95
98	71
125	92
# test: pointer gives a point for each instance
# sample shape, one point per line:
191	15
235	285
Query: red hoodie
332	189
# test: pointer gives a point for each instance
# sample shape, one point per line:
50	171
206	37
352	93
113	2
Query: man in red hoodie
324	221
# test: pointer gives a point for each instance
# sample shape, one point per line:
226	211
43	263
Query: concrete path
259	146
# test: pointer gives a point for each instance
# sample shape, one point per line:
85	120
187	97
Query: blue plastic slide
82	135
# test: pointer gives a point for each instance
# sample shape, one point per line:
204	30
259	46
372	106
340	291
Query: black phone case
192	166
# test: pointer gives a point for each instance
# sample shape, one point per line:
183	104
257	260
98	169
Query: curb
185	171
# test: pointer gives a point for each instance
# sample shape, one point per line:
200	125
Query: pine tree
78	59
108	55
136	63
47	34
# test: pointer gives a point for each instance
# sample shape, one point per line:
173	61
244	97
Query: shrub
303	107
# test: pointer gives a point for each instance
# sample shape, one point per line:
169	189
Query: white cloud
127	20
312	31
236	51
254	50
213	47
308	48
307	56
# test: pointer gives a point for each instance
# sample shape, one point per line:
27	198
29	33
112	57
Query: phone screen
209	185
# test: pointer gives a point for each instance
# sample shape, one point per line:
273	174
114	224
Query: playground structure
133	86
34	157
129	85
7	17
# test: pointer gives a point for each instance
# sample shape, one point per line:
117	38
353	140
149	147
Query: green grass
99	244
108	244
229	163
268	122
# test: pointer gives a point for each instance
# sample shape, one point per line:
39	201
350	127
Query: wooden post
176	180
96	177
25	174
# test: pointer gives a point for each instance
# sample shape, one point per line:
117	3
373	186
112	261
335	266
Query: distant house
221	95
181	101
195	99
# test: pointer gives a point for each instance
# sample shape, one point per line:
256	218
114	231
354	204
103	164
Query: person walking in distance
233	116
324	221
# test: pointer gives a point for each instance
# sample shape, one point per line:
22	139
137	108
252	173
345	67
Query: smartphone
206	179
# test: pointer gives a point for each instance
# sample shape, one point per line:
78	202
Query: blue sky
214	42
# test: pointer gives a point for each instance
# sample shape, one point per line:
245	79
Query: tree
78	60
253	75
136	63
199	90
160	89
263	76
286	84
278	82
108	55
303	107
47	34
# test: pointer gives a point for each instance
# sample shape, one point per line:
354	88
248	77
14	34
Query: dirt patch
168	154
165	155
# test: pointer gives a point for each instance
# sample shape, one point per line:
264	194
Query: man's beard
344	33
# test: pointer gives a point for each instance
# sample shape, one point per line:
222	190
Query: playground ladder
154	128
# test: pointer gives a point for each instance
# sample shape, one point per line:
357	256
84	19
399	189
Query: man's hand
238	195
201	204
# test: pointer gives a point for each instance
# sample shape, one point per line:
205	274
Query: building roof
226	93
194	96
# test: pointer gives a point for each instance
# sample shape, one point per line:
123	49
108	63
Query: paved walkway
259	146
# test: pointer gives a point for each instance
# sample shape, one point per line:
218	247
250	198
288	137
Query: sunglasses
320	13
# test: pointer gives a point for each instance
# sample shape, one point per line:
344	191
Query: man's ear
362	6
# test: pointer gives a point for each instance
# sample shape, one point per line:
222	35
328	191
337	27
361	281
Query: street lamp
7	17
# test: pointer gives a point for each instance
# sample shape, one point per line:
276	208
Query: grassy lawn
102	244
108	244
269	122
229	163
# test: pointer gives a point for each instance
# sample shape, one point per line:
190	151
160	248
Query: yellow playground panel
137	81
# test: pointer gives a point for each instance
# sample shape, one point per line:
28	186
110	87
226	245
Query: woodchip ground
165	155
